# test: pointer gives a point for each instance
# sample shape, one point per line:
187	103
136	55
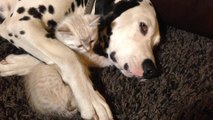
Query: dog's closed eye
143	28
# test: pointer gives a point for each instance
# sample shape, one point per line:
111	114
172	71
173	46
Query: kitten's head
79	32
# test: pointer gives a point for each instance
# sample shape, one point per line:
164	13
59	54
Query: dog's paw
94	106
100	111
87	114
90	103
17	65
101	108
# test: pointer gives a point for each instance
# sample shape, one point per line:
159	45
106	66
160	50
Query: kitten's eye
92	41
143	28
79	46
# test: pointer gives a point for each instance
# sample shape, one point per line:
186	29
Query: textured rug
184	91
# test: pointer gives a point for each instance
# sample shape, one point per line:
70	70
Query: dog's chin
130	75
127	74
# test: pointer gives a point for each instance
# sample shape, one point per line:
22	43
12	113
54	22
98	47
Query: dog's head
134	32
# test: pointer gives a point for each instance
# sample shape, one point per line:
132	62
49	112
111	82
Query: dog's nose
149	68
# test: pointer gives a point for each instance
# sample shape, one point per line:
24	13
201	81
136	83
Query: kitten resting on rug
44	86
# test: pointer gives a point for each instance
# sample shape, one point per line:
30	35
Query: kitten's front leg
98	61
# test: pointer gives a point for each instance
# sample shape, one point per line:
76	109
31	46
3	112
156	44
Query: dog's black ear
117	10
122	6
103	7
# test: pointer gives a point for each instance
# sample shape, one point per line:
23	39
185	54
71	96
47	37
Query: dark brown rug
184	91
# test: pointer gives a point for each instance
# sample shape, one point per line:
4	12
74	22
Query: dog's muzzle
150	70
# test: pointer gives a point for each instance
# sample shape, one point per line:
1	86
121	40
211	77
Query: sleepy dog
131	31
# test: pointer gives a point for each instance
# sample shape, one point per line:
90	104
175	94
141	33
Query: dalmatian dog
129	31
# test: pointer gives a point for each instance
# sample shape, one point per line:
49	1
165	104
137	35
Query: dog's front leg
71	70
17	64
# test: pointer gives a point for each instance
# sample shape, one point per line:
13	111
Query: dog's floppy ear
117	10
156	38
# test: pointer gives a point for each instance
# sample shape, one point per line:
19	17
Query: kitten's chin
82	51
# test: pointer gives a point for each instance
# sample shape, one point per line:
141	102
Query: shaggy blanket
184	91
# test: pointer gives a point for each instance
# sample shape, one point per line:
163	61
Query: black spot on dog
16	36
11	14
78	2
126	66
1	19
112	56
20	10
51	9
22	32
34	12
42	8
25	18
50	35
73	7
10	34
51	29
11	41
51	24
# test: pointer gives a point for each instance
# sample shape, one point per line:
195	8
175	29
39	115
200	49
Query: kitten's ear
63	28
63	32
93	20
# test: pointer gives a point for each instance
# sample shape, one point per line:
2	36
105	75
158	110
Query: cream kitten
47	94
45	89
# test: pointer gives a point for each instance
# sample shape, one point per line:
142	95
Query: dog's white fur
88	102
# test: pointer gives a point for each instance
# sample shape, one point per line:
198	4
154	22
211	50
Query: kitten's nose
87	47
